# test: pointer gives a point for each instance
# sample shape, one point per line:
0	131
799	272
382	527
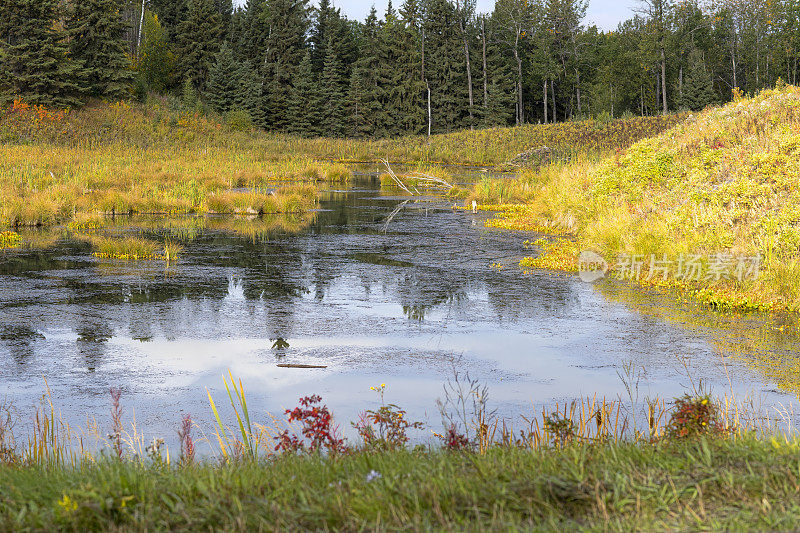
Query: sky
604	13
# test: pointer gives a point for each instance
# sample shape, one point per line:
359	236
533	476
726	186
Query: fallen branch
397	180
421	177
394	214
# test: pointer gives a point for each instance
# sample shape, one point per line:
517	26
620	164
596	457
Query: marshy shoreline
664	463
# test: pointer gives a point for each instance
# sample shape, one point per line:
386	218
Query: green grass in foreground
695	484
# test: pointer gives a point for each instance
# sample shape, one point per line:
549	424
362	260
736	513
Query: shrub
561	428
318	431
387	428
239	120
454	440
694	416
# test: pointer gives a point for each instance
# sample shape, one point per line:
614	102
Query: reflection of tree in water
19	339
422	290
140	326
93	335
416	312
274	274
38	260
323	272
513	296
341	213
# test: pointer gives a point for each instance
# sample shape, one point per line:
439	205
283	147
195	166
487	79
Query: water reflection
93	333
371	301
19	340
761	341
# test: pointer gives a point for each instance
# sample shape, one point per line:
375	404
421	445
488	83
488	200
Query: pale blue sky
604	13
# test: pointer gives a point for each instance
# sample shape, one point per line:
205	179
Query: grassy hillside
489	147
723	182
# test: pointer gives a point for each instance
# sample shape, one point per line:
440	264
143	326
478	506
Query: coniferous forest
436	65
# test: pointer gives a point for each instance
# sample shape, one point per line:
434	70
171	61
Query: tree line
429	66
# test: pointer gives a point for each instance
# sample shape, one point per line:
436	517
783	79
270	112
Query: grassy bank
492	147
695	462
718	188
699	484
128	158
118	159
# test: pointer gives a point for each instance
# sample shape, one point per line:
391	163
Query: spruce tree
34	59
189	94
285	45
223	81
171	13
250	97
306	102
698	89
198	41
320	34
400	75
251	42
369	66
95	30
445	67
500	106
331	28
501	95
354	106
333	123
225	11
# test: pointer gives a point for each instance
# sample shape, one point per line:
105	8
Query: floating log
294	365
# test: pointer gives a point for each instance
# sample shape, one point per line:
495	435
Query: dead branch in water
394	214
397	180
421	177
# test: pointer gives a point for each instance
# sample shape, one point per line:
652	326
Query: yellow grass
58	167
723	182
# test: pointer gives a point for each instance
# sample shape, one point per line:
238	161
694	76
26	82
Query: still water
375	288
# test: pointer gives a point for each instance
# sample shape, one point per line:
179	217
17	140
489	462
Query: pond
375	289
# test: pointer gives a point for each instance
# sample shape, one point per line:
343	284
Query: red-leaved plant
318	430
694	416
455	440
187	443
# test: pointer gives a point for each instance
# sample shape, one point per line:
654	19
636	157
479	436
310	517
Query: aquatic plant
125	248
171	250
9	239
